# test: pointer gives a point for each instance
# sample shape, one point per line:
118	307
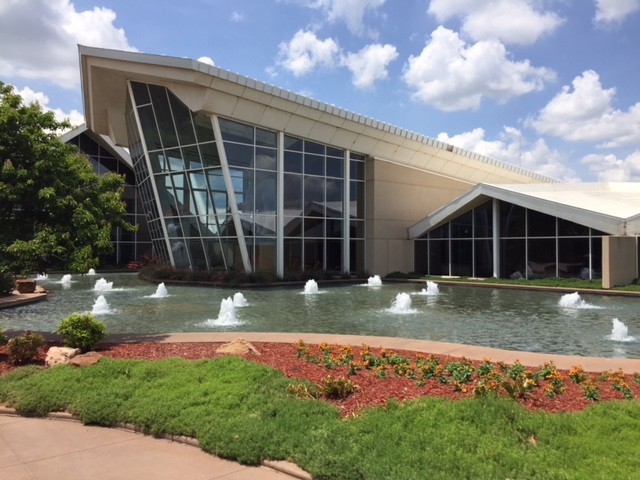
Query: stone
239	346
86	359
60	355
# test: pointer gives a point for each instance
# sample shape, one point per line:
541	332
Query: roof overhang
613	208
202	87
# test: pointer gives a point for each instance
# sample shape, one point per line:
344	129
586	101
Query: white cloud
585	114
512	147
370	64
454	76
609	168
236	17
614	11
39	39
305	52
351	12
510	21
207	60
29	96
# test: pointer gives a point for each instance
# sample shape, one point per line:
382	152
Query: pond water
589	325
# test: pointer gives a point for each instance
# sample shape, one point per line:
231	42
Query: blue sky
550	85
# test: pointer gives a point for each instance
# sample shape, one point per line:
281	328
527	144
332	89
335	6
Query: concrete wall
619	260
396	198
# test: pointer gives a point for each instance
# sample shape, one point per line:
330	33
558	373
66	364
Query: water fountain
374	281
161	291
101	307
103	286
620	332
239	300
66	280
311	287
91	272
573	300
493	317
227	316
41	277
431	290
402	304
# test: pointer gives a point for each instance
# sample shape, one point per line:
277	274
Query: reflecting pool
510	319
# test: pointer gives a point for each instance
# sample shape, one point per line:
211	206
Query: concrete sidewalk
54	449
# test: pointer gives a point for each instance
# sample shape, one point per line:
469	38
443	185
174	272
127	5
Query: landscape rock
86	359
239	346
60	355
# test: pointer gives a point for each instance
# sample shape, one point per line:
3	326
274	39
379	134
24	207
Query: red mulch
372	391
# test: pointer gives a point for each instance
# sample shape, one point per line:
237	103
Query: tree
53	206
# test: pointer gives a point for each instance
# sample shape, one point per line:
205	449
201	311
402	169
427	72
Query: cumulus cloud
614	11
610	168
452	75
585	114
512	147
350	12
305	51
207	60
236	17
39	38
510	21
29	96
370	64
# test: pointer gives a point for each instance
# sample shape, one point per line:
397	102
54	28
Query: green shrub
24	349
81	330
337	388
7	282
3	337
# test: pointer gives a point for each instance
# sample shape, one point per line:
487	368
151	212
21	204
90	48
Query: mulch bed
371	391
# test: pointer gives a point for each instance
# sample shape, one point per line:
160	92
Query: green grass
241	410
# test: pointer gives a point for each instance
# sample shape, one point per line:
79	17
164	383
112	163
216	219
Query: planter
26	285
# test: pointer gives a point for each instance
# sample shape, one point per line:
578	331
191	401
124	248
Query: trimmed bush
7	282
81	330
24	349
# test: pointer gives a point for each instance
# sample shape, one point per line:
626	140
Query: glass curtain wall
191	221
128	246
531	245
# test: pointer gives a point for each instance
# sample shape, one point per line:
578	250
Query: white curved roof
207	88
612	207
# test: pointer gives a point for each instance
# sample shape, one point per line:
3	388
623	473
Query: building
106	157
237	174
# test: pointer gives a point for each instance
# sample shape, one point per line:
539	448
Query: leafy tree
53	206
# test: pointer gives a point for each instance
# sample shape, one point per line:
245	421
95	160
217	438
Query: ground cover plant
395	424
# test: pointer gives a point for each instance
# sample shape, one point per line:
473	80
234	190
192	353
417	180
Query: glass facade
128	246
530	244
225	194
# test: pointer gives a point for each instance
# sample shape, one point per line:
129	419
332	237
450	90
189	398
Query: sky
549	85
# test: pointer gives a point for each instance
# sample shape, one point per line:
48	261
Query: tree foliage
53	207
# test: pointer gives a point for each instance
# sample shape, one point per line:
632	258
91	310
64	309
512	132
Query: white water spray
374	281
103	286
432	289
402	304
620	332
161	291
101	307
239	300
311	287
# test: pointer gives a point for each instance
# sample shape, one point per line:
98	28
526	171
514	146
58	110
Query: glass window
438	257
180	253
191	157
483	220
512	255
265	191
540	224
312	147
512	220
266	158
571	229
140	93
334	197
356	229
334	255
573	257
265	255
314	227
292	255
292	191
334	228
149	128
420	259
266	138
462	227
292	226
184	125
292	143
204	129
209	153
164	116
313	164
335	167
440	232
356	170
483	254
292	162
542	258
335	152
462	258
313	254
236	132
356	207
239	155
314	196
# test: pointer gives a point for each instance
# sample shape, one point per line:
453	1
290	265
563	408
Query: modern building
105	157
237	174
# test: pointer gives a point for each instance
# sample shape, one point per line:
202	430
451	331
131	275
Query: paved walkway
44	449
